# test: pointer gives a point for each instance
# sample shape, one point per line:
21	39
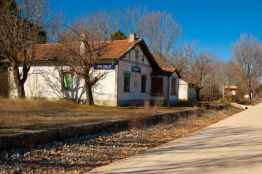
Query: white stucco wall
105	91
45	82
42	82
125	65
183	90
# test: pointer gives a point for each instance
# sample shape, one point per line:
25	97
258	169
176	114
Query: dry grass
17	116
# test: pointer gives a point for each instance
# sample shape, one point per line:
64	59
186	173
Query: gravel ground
83	154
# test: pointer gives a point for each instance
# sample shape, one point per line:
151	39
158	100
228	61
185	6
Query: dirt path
232	146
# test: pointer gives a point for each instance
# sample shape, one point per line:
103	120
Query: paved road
232	146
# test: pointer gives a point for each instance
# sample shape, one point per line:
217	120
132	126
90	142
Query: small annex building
133	76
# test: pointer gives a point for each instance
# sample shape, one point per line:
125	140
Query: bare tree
214	81
231	70
196	69
248	55
183	59
84	43
132	17
160	31
18	32
199	72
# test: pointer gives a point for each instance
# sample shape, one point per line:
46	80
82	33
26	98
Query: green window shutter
68	81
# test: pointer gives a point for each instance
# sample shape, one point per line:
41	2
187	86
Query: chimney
132	37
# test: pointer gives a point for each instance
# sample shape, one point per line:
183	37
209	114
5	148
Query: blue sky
212	25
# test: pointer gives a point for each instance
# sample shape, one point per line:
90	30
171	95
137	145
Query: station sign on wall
104	66
136	68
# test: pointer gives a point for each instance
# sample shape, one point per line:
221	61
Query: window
143	83
126	82
157	86
173	87
67	81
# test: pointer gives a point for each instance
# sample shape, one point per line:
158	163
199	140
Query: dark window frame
127	82
143	83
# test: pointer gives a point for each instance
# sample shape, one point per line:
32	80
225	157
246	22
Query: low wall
214	106
28	140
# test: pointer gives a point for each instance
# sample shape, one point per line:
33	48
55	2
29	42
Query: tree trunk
89	93
250	91
18	82
250	96
21	90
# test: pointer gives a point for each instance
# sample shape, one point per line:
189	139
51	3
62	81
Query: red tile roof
117	48
113	50
47	51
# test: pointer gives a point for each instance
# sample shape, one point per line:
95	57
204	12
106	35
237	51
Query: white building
133	76
186	91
